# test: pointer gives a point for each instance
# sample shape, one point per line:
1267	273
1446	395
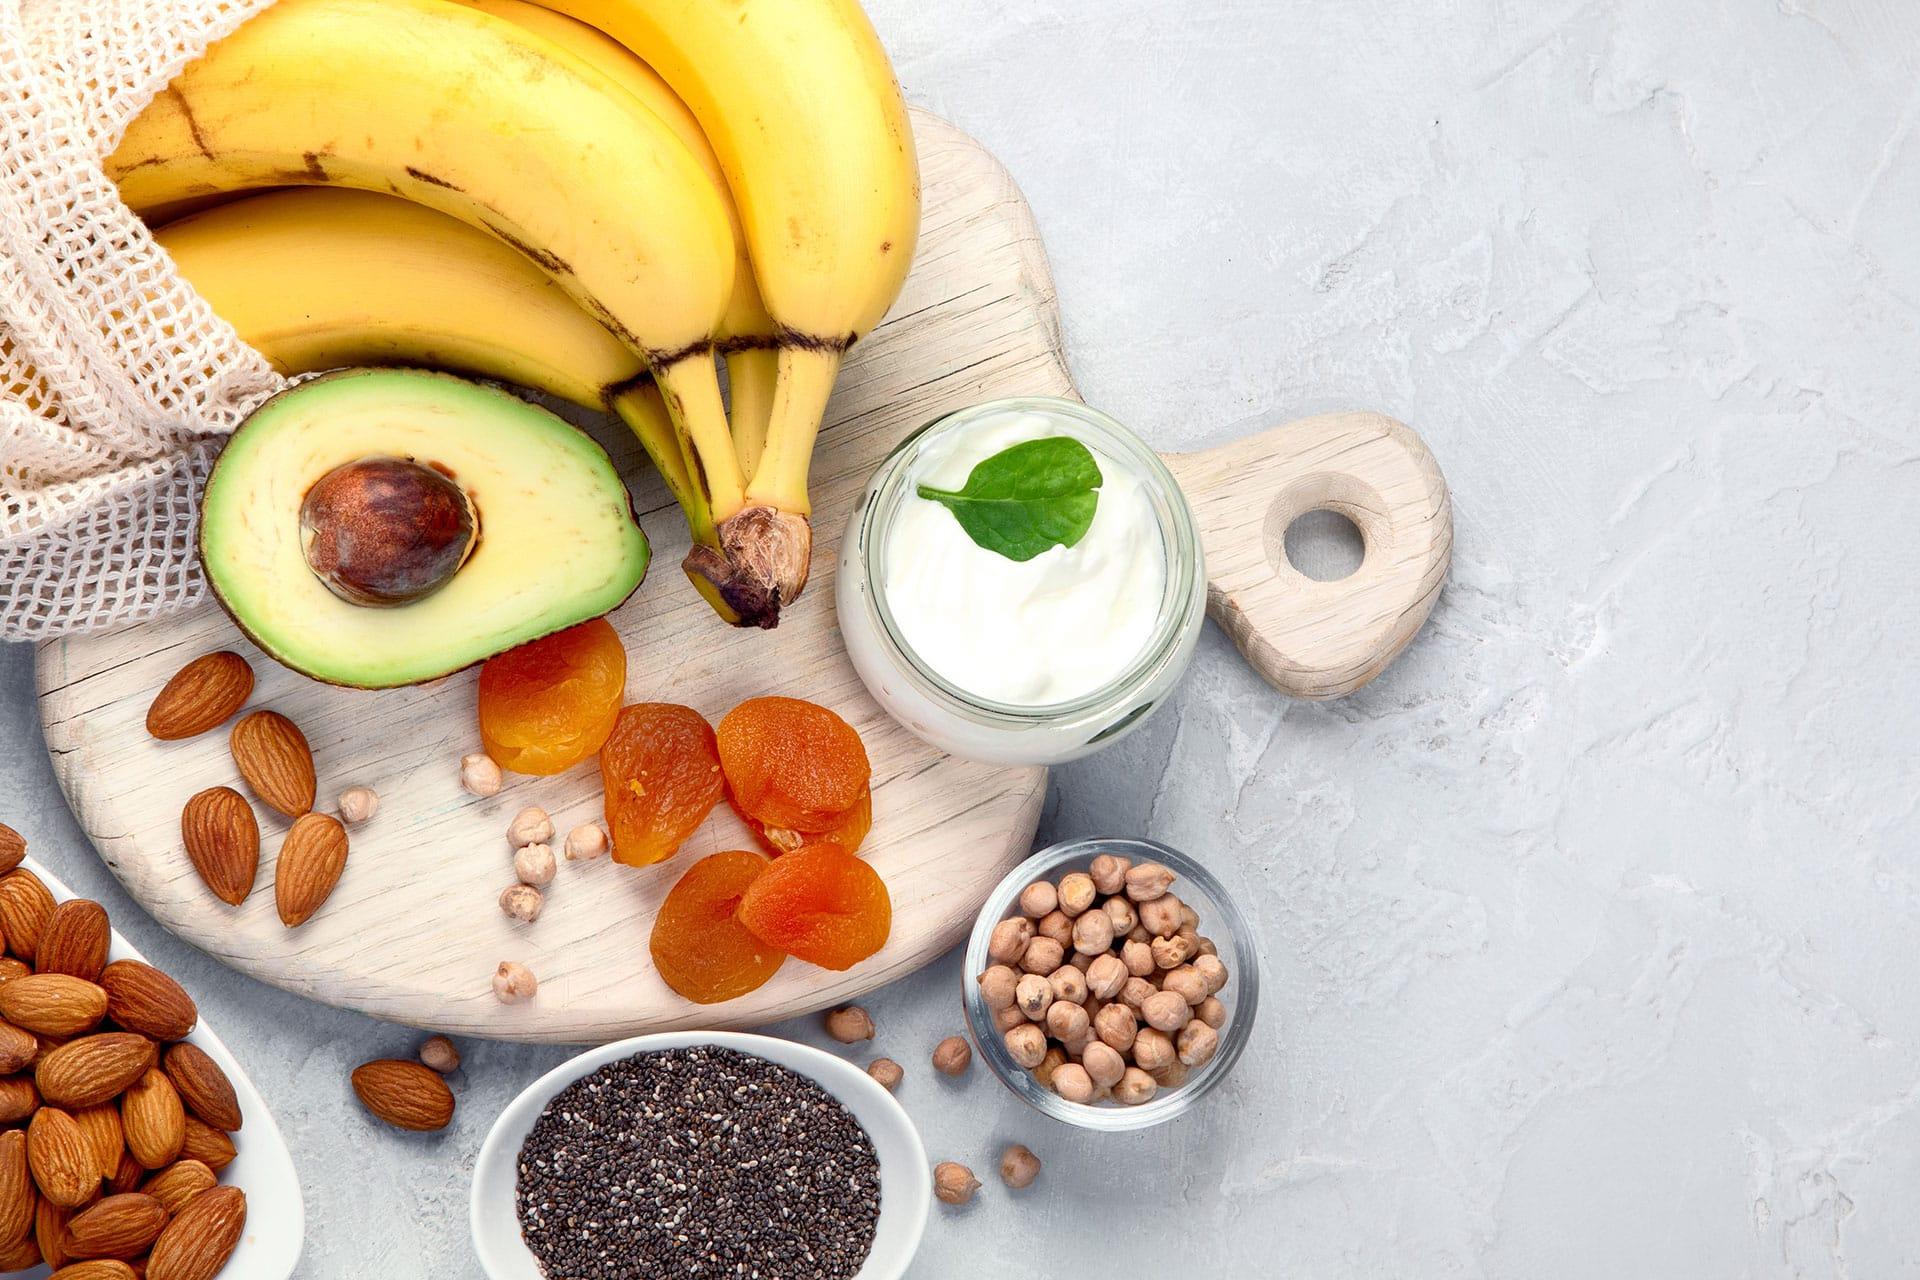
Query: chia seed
697	1162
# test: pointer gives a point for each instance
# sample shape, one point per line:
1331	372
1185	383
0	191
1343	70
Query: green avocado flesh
556	542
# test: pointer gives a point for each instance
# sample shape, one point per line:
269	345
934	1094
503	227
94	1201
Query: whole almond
128	1175
12	967
16	1187
311	860
201	1237
105	1136
121	1226
208	1145
13	847
203	1086
53	1004
61	1159
18	1098
179	1182
75	940
50	1229
96	1269
405	1094
200	696
25	906
17	1048
222	838
155	1122
21	1255
141	998
93	1069
272	755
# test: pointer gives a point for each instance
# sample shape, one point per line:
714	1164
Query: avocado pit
386	531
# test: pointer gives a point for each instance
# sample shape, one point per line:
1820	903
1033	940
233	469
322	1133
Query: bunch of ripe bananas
597	198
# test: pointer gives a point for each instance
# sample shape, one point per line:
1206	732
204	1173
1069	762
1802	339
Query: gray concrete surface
1589	928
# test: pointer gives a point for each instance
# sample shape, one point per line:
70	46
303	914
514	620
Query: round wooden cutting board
414	932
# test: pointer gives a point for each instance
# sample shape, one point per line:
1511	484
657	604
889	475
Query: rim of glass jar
1244	985
1180	543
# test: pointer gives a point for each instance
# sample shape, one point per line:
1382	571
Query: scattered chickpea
1109	872
952	1056
1072	1082
1152	1049
1135	1087
998	985
438	1052
1009	940
1027	1044
1055	1057
1122	914
1211	971
1166	1011
534	865
1187	982
1116	1026
357	804
1042	956
1212	1012
1067	1022
1134	994
1161	916
1170	953
1034	995
480	775
1138	957
953	1183
1104	1064
1037	899
1076	893
1105	976
586	842
1197	1044
522	902
1171	1076
1147	881
1008	1018
1055	925
1093	934
529	826
514	983
1069	984
1019	1167
886	1073
850	1024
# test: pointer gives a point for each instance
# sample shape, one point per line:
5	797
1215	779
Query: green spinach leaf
1026	498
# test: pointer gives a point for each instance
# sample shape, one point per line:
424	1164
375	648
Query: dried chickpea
1211	971
1009	940
530	826
1105	976
1116	1026
1103	1063
1109	872
1077	893
533	864
1008	1018
1071	1081
1076	1044
850	1024
997	986
1161	917
1037	899
886	1073
1153	1049
1093	934
1075	960
1166	1011
514	983
1189	918
1212	1012
1171	1076
1190	936
439	1053
1139	934
1186	981
1042	956
1135	993
1122	915
1147	881
952	1056
953	1183
357	804
1208	947
1170	953
585	842
1055	925
479	775
522	902
1069	984
1019	1167
1135	1087
1054	1058
1067	1022
1027	1045
1197	1044
1138	957
1033	995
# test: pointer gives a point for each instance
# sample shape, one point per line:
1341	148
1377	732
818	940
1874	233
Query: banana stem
803	384
750	382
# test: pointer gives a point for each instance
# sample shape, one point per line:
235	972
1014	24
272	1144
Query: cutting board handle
1307	638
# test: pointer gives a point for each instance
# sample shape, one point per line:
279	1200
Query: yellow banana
470	114
322	278
802	108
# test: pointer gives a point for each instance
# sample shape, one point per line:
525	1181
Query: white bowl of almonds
1110	983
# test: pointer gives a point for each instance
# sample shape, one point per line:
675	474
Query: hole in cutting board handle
1323	544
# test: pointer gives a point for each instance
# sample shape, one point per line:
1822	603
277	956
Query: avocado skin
432	384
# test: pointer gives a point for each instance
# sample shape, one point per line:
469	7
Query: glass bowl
1220	920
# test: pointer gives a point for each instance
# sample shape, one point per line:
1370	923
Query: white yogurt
1027	633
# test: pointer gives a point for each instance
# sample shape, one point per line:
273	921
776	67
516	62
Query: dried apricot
822	904
702	951
661	772
848	830
549	704
791	763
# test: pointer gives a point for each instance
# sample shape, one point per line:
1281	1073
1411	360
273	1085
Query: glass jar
977	727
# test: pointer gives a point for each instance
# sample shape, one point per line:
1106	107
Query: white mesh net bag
117	383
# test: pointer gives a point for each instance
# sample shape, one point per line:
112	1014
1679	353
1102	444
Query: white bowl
276	1219
906	1184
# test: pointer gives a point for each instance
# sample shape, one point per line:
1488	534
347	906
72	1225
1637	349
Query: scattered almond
203	1086
200	696
155	1122
405	1094
75	940
16	1186
223	842
178	1183
141	998
311	860
105	1136
61	1158
208	1145
13	847
121	1226
93	1069
201	1237
53	1004
25	906
272	755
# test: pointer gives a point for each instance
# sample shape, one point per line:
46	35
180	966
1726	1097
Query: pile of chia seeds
697	1162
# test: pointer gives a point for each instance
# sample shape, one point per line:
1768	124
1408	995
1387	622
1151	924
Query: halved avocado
381	527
